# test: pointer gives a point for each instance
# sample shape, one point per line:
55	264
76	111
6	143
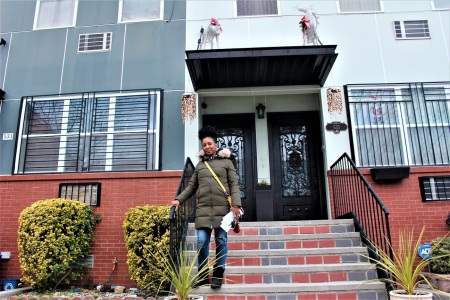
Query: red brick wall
404	203
119	192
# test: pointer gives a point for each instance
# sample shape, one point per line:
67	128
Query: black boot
217	277
203	277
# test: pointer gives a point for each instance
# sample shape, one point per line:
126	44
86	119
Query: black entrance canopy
257	67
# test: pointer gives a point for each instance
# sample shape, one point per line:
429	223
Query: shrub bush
441	265
54	235
146	231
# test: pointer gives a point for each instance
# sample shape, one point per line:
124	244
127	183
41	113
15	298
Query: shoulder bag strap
218	181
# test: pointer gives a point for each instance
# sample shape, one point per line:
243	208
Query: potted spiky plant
183	275
405	274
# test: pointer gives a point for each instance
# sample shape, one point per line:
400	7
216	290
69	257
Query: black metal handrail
185	213
354	198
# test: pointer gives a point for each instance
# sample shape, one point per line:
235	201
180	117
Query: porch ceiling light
260	111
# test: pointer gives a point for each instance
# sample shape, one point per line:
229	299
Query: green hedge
54	235
441	265
146	231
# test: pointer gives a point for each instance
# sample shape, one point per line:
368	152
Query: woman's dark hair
208	131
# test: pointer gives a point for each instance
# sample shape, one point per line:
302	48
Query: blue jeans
203	240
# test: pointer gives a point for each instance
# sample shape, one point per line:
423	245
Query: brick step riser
294	277
285	230
293	260
348	295
191	244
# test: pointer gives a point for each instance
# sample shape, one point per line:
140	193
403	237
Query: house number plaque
336	127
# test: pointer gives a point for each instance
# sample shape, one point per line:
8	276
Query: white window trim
36	14
161	14
338	7
257	16
438	9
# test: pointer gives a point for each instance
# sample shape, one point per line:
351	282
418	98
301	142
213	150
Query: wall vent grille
412	29
94	42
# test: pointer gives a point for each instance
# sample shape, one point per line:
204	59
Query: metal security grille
412	29
435	188
400	124
90	132
256	7
88	193
88	261
349	6
93	42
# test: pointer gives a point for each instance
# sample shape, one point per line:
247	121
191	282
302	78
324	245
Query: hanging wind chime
188	107
334	101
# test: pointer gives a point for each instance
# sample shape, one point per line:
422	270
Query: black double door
297	190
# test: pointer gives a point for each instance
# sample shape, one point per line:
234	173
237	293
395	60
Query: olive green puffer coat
212	203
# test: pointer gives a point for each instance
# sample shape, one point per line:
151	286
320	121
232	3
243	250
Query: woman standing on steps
212	203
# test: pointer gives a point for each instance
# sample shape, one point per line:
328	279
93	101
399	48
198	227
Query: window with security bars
93	42
256	7
356	6
88	193
400	124
440	4
435	188
412	29
90	132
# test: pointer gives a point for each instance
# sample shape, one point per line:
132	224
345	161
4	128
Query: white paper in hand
226	221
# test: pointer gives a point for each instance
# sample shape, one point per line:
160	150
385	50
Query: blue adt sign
424	251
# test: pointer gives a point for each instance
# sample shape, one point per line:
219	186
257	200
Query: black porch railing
399	124
354	198
185	213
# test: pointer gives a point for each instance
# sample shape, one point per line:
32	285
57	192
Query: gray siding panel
173	132
97	12
154	55
143	55
3	57
9	117
16	15
174	10
35	62
95	71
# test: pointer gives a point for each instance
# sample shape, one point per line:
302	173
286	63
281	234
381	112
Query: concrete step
293	241
356	290
299	273
294	260
289	227
336	255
